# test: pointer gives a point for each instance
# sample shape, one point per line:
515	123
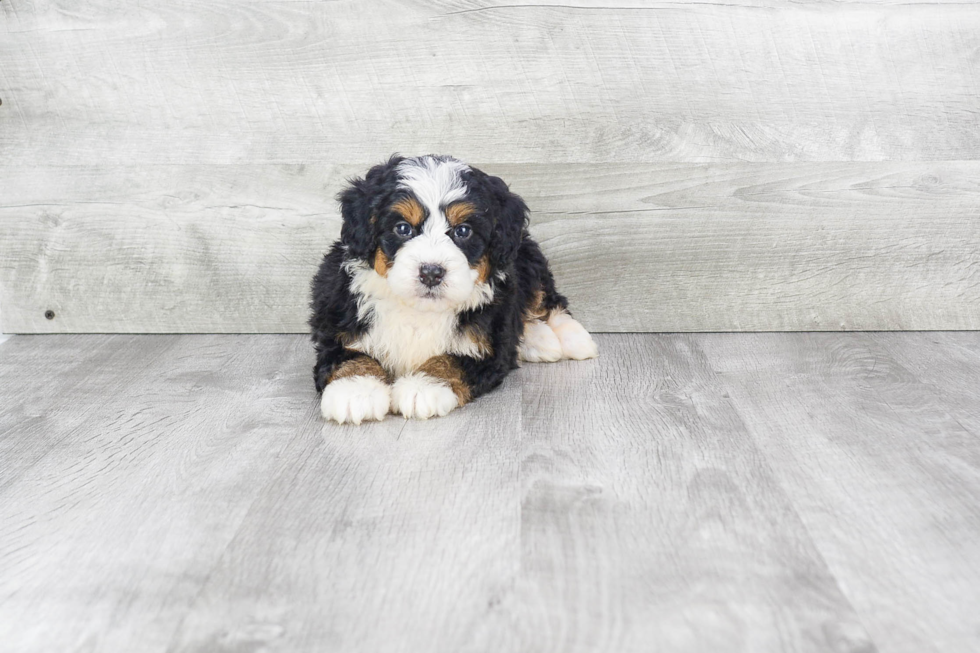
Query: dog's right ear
359	204
357	232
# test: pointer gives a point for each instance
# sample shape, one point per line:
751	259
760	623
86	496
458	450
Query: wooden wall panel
637	247
302	82
170	166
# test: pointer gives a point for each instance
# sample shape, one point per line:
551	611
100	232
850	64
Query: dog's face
435	231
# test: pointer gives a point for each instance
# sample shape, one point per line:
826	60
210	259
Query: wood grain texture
948	362
582	82
643	247
84	369
165	248
882	466
652	522
704	492
753	165
149	466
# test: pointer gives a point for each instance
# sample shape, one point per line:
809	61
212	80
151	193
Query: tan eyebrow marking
410	209
458	212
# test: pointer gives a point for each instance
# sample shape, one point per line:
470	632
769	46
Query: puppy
431	294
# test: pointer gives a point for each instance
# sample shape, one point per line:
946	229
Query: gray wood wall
754	165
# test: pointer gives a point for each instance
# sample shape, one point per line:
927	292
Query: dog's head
434	231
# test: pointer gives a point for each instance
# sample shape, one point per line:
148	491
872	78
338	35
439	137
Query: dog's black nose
431	275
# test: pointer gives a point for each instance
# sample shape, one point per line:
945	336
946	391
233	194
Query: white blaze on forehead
436	182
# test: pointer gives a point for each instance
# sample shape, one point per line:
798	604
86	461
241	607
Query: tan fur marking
458	212
482	268
535	310
446	369
381	263
481	340
556	311
359	366
410	209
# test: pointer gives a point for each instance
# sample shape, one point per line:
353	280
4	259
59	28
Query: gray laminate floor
715	492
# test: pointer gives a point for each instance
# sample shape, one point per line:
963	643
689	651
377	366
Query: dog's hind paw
539	343
576	342
355	399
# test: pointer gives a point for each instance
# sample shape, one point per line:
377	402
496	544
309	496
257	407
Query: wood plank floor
698	492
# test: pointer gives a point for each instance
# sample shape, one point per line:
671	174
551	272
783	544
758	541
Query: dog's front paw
576	342
355	398
422	396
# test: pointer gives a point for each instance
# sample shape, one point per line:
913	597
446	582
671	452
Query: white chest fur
403	337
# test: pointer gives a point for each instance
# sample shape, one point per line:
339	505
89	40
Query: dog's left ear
510	221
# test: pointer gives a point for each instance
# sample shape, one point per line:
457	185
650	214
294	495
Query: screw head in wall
49	314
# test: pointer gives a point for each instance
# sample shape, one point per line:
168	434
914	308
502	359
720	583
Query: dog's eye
403	229
463	231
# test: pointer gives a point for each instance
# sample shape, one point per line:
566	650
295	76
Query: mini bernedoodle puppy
432	293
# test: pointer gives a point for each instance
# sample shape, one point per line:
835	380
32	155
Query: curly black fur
519	276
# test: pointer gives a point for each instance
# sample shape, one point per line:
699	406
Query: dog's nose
431	275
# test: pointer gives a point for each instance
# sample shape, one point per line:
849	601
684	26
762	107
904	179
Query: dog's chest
402	338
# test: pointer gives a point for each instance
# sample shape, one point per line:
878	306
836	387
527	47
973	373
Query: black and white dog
432	293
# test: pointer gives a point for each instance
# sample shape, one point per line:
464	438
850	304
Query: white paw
539	344
421	396
576	343
355	398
